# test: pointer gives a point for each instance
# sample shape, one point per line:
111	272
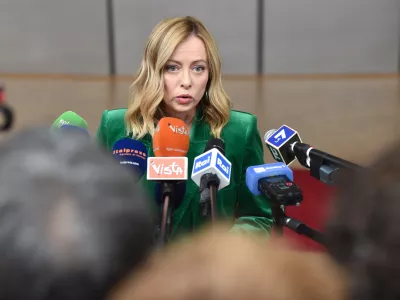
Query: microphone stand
323	166
166	216
300	228
209	184
277	214
281	220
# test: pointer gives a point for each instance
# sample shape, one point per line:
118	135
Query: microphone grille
268	134
216	143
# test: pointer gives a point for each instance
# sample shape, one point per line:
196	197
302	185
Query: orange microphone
170	146
169	168
171	138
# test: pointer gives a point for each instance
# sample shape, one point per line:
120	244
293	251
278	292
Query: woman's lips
184	100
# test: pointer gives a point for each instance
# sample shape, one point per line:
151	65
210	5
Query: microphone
285	146
170	146
169	167
7	112
72	122
211	172
131	153
72	128
275	181
171	138
279	143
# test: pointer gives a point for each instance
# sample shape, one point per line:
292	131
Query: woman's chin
182	108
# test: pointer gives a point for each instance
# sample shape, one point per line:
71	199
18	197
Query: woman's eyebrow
179	63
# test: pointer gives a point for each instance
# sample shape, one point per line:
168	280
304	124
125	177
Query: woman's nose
186	80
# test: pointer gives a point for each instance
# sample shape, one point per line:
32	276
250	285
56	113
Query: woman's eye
199	68
171	68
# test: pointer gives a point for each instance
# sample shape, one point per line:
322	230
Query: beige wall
350	117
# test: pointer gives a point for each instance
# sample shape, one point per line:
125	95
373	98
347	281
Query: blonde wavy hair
147	91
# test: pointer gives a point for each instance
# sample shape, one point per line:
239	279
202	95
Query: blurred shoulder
114	119
240	126
238	117
112	126
241	121
115	115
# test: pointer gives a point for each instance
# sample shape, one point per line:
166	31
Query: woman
180	77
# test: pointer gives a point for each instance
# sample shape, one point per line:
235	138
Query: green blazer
235	203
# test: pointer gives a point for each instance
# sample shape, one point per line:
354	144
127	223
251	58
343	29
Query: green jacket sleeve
101	136
253	212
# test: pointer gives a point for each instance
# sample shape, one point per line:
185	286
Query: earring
206	96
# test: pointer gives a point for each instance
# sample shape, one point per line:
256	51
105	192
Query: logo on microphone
202	162
167	168
267	168
130	153
212	162
162	169
223	166
283	134
62	122
179	130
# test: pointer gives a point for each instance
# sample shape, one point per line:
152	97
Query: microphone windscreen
70	118
171	138
268	134
75	129
217	144
132	153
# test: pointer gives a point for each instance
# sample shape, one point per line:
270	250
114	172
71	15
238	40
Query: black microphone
6	111
286	146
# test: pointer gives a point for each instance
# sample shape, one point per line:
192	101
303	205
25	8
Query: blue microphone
131	153
275	182
72	128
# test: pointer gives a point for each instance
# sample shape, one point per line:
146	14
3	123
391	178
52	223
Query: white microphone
211	172
214	162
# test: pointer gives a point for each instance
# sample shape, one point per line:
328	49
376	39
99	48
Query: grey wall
231	22
53	36
329	36
300	36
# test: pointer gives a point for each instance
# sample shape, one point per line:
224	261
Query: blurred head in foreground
364	232
71	221
218	266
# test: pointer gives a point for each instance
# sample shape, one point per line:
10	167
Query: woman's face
186	76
